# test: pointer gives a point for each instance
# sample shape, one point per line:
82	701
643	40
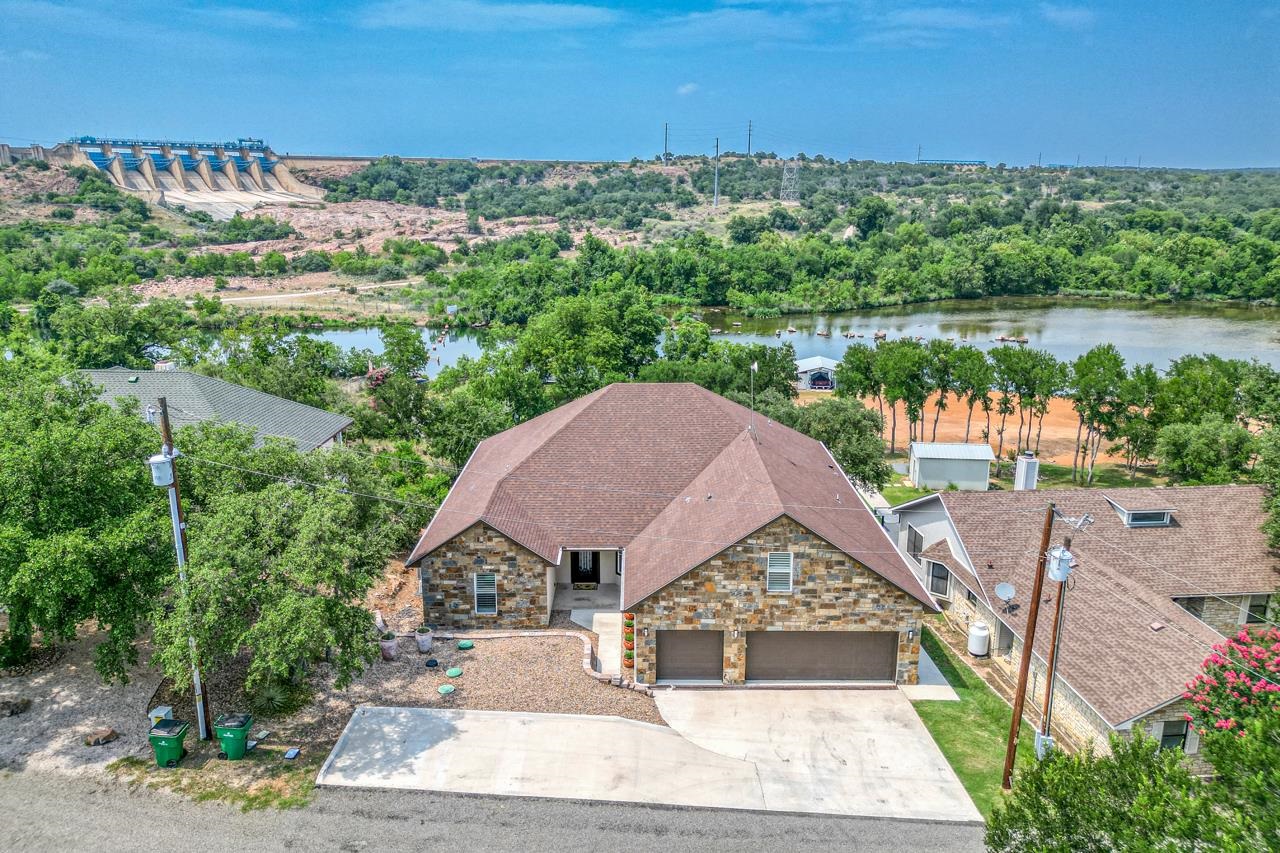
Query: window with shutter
781	564
486	594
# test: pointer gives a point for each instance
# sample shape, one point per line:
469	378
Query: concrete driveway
846	752
857	752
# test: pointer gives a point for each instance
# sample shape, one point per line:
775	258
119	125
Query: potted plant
629	616
629	659
628	645
628	624
423	636
389	645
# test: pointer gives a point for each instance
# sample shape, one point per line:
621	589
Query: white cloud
929	26
686	89
483	16
22	56
723	26
252	18
1071	17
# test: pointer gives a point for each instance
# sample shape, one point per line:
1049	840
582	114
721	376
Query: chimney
1026	472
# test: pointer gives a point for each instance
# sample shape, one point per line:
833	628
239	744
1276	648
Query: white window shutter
1193	740
486	593
1155	729
780	571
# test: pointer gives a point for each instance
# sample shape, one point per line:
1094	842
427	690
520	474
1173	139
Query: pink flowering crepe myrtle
1242	672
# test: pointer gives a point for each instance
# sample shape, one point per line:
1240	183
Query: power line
296	481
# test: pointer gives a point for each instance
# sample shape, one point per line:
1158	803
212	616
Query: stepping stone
445	689
466	644
453	672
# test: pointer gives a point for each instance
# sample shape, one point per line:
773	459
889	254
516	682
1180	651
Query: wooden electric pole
1028	648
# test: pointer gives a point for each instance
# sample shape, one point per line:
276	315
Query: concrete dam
219	178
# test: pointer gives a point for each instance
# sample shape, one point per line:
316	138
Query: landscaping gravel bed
538	674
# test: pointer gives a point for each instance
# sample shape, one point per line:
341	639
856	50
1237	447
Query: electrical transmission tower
790	191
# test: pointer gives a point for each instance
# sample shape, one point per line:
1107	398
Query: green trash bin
166	738
233	734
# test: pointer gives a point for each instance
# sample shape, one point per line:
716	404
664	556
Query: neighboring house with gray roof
738	544
195	398
1163	574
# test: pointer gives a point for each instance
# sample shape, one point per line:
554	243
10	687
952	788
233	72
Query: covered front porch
588	580
605	596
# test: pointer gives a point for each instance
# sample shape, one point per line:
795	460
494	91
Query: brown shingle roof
1126	579
669	472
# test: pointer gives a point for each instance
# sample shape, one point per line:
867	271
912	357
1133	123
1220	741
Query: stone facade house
1163	574
738	544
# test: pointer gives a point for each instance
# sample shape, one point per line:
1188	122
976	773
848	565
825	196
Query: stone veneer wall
524	594
1222	615
831	591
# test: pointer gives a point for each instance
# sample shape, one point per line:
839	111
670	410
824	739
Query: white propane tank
979	639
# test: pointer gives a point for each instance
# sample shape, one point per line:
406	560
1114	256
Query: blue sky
1177	83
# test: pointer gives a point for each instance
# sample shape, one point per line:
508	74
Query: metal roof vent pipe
1026	472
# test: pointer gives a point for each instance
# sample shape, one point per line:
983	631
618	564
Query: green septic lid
454	672
445	689
466	644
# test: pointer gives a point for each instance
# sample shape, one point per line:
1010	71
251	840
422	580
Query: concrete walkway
859	752
607	626
932	685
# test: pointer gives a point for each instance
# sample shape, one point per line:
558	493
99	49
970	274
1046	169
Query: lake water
1143	332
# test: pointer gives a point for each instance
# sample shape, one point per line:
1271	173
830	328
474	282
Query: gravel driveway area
537	674
69	700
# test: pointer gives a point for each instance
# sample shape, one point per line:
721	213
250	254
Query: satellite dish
1004	592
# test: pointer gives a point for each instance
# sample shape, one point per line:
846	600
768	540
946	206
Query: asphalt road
40	812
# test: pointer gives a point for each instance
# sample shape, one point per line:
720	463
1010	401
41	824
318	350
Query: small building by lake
816	373
941	465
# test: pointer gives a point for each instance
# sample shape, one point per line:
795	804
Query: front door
584	567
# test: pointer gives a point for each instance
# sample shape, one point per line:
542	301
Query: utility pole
919	151
1060	571
748	137
1039	154
165	473
1028	647
716	201
666	143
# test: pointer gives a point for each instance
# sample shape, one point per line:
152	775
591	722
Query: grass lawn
901	494
1105	476
971	733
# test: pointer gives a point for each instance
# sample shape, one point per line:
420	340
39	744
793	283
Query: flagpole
754	365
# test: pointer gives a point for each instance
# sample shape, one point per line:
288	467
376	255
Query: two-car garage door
782	655
822	655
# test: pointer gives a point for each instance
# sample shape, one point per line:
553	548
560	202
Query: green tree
1097	378
403	349
83	533
940	377
900	366
279	564
973	376
1137	798
1211	451
856	377
852	433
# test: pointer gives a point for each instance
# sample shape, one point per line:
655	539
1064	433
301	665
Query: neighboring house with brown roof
738	543
1162	575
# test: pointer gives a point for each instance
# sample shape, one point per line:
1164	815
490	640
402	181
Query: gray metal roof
952	450
193	398
815	362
